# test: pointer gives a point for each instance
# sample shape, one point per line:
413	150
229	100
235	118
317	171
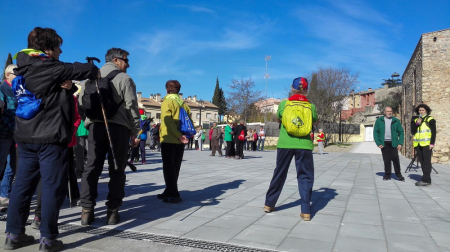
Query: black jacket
237	131
53	124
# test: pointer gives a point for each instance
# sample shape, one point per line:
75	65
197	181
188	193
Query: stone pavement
353	209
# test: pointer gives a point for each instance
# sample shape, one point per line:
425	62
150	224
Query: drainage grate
214	246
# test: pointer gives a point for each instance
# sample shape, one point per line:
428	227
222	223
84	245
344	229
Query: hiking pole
91	60
132	166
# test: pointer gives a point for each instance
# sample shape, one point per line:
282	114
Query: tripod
416	159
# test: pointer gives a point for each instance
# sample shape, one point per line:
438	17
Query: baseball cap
300	83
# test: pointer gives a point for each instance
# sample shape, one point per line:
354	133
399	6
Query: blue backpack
186	126
27	104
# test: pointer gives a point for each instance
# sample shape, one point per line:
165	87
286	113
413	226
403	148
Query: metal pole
340	126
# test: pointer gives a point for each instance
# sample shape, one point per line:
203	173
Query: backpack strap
110	77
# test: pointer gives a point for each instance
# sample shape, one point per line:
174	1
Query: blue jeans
305	176
261	142
8	157
45	162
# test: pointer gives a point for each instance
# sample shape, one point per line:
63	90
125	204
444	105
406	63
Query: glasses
125	60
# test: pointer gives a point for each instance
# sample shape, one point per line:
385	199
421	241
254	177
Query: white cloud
195	8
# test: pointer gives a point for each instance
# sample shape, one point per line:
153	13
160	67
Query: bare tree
328	88
243	93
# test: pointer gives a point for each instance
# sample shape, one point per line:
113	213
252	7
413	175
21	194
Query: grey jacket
128	113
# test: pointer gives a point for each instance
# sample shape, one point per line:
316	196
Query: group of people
389	137
45	140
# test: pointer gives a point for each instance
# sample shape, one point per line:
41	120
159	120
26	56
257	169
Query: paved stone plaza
353	208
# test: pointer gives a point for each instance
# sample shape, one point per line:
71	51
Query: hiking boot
161	196
305	216
401	178
4	202
87	216
421	183
112	216
268	209
385	178
17	241
172	200
36	222
50	245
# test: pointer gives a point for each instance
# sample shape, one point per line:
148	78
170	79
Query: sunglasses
125	60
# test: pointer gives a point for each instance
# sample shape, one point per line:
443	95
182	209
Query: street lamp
201	105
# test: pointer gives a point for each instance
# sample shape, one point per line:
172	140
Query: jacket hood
26	58
176	97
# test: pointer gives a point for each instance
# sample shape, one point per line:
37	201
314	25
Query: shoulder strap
112	74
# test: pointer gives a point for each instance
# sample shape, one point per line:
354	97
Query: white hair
9	69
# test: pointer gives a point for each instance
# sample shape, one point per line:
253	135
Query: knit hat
300	83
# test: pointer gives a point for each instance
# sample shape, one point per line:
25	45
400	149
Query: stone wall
426	79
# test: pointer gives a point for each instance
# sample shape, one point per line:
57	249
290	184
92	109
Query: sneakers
421	183
112	216
50	245
305	216
401	178
269	209
172	200
17	241
211	155
36	222
87	216
161	196
385	178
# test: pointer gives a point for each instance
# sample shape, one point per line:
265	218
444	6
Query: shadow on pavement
320	199
192	200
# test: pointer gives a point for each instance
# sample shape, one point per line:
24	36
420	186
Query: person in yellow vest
423	127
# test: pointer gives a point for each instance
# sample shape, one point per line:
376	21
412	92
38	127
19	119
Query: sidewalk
353	209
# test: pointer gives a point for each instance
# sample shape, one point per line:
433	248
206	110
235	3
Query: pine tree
223	103
216	96
8	62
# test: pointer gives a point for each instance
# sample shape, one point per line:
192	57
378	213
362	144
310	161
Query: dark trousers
80	154
196	144
390	154
305	176
230	144
424	154
172	155
45	162
135	152
98	146
215	146
155	143
240	148
254	146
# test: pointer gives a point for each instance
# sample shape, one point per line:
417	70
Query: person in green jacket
388	135
172	141
228	137
81	149
298	147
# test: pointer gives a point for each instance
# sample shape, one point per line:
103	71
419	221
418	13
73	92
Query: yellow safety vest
423	134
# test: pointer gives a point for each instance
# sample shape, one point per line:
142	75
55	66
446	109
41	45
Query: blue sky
196	41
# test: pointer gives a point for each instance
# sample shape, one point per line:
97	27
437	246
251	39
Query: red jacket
75	125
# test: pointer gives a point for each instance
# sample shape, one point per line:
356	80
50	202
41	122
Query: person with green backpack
81	149
297	116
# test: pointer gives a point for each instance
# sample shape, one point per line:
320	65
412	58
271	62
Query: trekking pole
91	60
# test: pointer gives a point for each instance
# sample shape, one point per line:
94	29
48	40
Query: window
208	115
198	115
215	116
158	115
148	114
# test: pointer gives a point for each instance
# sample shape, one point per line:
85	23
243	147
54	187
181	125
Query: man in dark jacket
388	134
43	139
240	129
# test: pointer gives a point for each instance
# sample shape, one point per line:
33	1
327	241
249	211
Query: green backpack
297	118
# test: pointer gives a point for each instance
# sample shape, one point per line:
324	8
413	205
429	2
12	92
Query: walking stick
91	60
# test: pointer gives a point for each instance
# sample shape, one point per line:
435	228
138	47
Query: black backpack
109	97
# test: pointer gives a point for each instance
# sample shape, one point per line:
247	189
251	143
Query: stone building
207	114
426	79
